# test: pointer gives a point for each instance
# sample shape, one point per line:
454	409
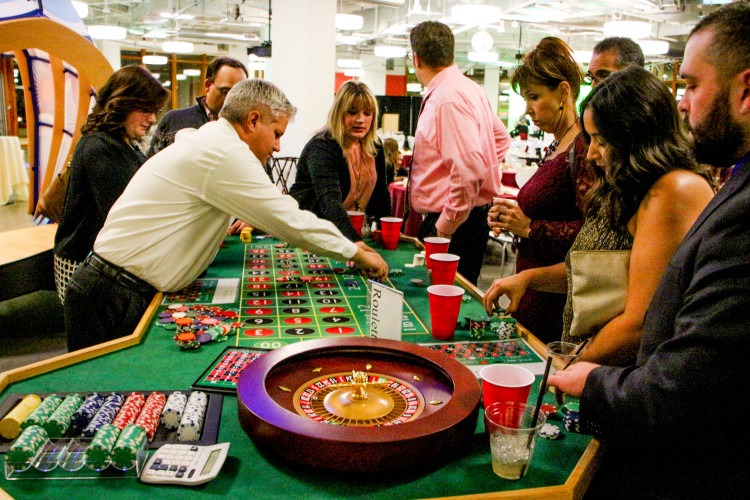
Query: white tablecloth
13	175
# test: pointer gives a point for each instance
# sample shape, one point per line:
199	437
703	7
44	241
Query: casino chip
549	431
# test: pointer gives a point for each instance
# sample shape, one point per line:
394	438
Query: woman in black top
342	168
105	159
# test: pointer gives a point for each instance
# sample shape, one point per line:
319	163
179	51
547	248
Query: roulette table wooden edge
574	487
449	395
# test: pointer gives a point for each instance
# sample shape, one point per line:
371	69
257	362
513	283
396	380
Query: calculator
185	464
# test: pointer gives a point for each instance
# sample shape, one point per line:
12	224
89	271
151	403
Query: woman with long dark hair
105	159
647	194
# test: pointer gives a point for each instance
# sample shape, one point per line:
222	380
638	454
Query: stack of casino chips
173	410
106	414
148	418
99	450
130	410
43	411
198	324
85	413
25	448
57	424
125	451
192	418
10	425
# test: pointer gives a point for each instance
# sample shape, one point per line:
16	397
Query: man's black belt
120	276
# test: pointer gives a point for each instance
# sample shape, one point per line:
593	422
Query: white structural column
111	51
375	72
492	85
303	64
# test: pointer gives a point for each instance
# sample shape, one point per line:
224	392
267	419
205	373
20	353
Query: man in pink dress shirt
458	147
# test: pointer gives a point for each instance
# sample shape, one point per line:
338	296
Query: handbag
599	281
52	201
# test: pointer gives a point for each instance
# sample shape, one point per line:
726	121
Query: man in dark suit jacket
672	424
221	75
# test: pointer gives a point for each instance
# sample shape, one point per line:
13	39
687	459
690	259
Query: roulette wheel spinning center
359	405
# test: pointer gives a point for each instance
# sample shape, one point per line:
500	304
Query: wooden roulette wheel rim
450	394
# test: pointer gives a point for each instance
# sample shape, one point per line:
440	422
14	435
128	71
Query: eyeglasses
222	90
597	77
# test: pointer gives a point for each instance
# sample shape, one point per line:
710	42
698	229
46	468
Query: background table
13	175
561	469
26	261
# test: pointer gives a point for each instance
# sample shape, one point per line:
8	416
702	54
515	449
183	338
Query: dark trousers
468	242
99	308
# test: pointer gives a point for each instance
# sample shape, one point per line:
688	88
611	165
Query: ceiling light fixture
628	29
354	72
82	9
191	72
182	77
348	63
654	47
483	57
390	51
107	32
177	47
349	22
154	60
482	41
413	87
476	14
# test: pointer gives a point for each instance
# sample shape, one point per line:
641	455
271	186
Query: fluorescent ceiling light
354	72
167	83
107	32
628	29
476	14
177	47
182	77
347	39
191	72
348	63
349	22
654	47
154	60
413	87
82	9
390	51
233	36
156	75
483	57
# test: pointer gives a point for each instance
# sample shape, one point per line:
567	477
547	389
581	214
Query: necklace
554	144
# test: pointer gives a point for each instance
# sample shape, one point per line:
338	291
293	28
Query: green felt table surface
158	364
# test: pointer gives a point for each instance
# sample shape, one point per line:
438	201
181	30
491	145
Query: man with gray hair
168	225
613	54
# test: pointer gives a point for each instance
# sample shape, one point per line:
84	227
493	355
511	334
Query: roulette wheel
359	404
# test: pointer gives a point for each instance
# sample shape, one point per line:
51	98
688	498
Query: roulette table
150	360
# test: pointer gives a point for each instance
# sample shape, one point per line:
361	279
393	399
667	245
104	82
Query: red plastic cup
391	227
357	219
445	302
443	266
501	382
434	244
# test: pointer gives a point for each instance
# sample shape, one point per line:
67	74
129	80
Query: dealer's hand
237	227
370	261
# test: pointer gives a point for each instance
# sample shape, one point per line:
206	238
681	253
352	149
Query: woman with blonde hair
342	168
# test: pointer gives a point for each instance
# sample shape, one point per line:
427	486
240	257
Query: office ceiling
214	25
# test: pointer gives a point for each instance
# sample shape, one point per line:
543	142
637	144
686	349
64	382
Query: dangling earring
561	106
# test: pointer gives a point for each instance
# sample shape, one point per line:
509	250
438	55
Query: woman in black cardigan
342	168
